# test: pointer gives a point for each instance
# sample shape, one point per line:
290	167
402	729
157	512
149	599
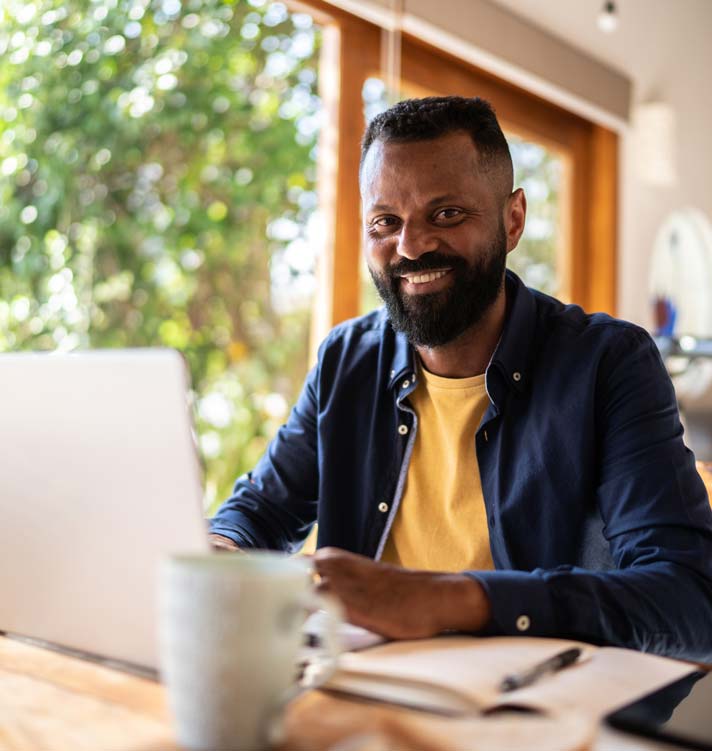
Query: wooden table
51	701
54	702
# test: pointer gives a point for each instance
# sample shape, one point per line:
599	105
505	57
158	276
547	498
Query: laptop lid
99	480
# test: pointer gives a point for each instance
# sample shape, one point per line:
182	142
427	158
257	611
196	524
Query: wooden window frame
350	55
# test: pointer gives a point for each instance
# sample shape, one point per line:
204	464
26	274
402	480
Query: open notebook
460	675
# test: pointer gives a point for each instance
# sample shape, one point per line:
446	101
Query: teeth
428	277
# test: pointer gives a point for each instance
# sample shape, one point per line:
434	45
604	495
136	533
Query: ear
515	212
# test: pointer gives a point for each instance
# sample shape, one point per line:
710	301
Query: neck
470	353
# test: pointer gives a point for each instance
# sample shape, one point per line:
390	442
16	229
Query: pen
552	665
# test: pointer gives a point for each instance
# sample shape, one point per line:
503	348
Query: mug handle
332	614
321	672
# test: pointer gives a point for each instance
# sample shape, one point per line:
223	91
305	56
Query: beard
431	320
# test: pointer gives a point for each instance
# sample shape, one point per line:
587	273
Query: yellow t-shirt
441	524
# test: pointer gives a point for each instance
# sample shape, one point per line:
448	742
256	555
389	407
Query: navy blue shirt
600	527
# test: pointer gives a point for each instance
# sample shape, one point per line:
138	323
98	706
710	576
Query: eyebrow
445	198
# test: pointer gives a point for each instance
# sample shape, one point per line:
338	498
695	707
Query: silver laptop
99	480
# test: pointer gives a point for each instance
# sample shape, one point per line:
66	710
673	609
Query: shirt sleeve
656	520
274	506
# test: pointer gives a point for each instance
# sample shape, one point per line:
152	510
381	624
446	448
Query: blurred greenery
539	172
157	187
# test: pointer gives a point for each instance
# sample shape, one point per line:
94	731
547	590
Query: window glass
536	259
157	187
374	101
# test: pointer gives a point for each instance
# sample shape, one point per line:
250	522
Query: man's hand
401	603
222	544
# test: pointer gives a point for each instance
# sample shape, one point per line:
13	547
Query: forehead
448	164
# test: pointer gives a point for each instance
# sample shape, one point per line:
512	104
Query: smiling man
479	456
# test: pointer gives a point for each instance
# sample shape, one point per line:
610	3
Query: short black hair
435	116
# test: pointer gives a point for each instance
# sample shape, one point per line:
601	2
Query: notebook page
470	666
605	679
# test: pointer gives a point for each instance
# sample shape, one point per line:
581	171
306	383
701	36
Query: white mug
230	634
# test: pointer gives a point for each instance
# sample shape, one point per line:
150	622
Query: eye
384	221
383	224
447	214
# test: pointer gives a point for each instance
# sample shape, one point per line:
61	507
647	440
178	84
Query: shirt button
517	375
405	384
402	429
383	507
523	623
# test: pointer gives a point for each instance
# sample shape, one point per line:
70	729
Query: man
479	456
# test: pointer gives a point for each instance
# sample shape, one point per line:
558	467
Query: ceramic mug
230	634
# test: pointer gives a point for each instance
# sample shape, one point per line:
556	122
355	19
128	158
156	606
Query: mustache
426	262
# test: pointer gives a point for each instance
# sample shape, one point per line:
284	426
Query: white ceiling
650	33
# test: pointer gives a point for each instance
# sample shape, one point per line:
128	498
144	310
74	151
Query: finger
326	562
315	577
325	554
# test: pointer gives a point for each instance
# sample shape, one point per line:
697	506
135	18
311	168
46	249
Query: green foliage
538	171
156	178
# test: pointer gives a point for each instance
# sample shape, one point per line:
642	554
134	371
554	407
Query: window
540	258
158	187
581	212
168	170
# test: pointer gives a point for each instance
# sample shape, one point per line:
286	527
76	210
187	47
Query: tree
539	172
156	184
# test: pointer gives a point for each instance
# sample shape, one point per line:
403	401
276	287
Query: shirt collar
403	363
514	350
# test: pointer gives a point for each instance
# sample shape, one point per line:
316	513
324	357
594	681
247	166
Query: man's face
434	235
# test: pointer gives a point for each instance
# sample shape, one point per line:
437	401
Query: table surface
52	701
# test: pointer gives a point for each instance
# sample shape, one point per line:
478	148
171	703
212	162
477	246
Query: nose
414	240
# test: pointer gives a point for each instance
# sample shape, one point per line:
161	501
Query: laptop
99	480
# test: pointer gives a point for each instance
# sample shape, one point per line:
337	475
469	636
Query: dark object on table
677	713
